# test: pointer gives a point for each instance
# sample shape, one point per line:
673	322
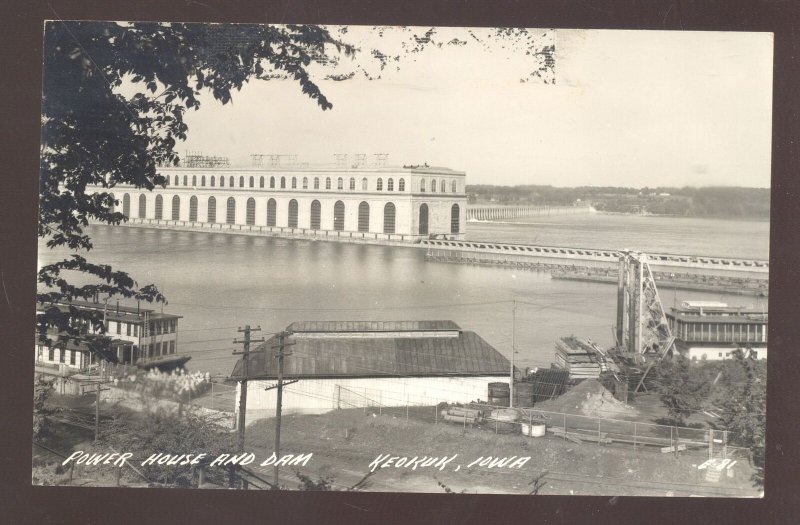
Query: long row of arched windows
434	185
389	213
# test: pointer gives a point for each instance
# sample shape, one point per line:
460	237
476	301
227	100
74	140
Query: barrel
533	429
523	394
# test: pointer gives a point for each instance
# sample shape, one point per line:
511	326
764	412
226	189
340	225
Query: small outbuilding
347	364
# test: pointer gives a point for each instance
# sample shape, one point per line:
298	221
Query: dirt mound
589	398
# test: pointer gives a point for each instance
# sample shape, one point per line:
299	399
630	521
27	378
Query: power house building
381	203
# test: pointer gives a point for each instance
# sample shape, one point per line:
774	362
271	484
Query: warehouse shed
352	364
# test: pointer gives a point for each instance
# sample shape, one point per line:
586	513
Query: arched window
455	218
159	207
272	182
261	182
316	183
241	182
388	218
340	184
185	180
379	185
423	219
316	214
292	213
222	182
212	209
338	216
251	211
422	185
193	209
294	183
352	183
454	187
363	217
443	186
283	183
272	211
142	206
328	183
126	205
305	183
203	181
176	208
230	216
433	185
113	203
252	182
212	181
230	181
176	180
401	185
194	181
390	184
364	184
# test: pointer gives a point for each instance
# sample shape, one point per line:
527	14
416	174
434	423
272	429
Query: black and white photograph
405	259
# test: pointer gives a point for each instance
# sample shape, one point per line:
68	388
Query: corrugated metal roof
371	326
465	355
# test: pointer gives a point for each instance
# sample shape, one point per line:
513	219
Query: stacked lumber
461	415
578	357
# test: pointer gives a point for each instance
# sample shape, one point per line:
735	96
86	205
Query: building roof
737	316
129	314
465	354
372	326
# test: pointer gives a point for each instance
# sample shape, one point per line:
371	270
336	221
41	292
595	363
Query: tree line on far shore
712	201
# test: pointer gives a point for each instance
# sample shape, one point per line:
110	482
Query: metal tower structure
642	330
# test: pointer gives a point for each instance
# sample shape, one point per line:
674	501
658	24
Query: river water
218	282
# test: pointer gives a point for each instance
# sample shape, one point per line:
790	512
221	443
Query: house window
193	209
126	205
340	184
212	181
252	182
364	184
352	183
72	357
363	217
230	181
261	182
136	330
194	181
316	183
51	354
292	213
283	183
379	185
390	185
127	329
203	181
230	217
185	180
294	183
212	209
271	212
142	206
328	183
119	328
401	185
338	216
159	207
444	186
433	185
305	183
62	354
454	186
176	180
222	182
388	218
251	211
316	214
176	208
422	185
272	182
455	218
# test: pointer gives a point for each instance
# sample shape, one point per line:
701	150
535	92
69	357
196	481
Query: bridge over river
551	257
484	212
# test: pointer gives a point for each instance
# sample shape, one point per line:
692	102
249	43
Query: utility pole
100	373
513	351
240	424
281	347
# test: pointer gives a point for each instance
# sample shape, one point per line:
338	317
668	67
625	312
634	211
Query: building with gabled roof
346	364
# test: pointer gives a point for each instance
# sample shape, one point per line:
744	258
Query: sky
626	108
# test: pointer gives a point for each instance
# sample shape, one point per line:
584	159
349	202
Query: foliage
683	389
93	134
724	202
42	390
165	431
742	402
